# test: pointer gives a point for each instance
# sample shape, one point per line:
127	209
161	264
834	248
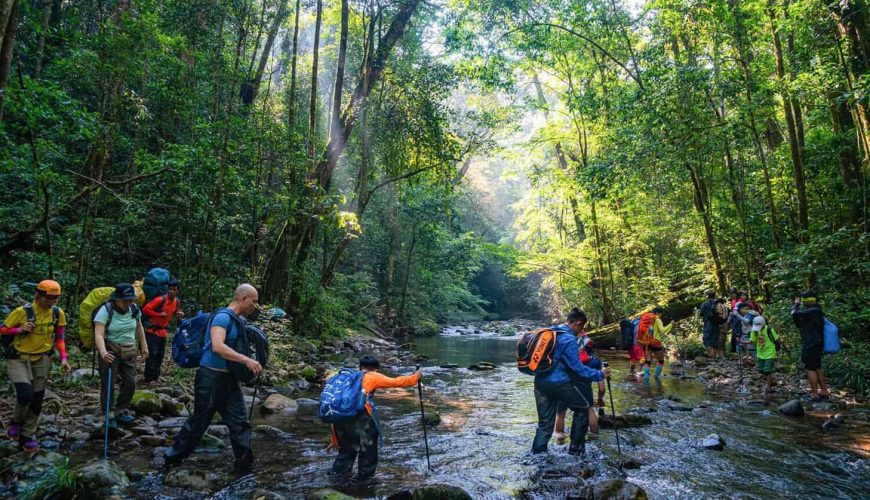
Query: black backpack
30	315
626	333
251	342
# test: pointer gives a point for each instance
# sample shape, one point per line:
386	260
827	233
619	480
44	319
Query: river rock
152	440
220	431
702	361
673	405
147	402
434	492
328	494
713	442
616	489
170	407
195	479
480	367
269	431
99	475
793	408
433	418
275	403
624	421
450	366
209	441
83	373
172	423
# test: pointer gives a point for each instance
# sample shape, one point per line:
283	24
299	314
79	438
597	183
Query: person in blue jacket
560	385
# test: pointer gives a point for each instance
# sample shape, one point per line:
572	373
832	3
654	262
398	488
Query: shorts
635	354
766	366
812	357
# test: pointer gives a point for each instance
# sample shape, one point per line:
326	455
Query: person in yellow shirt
35	329
651	340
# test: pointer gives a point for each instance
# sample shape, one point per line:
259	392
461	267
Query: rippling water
488	420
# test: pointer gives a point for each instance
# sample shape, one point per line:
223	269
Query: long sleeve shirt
373	381
567	360
158	312
660	330
811	323
45	331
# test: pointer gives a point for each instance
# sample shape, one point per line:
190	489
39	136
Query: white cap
758	323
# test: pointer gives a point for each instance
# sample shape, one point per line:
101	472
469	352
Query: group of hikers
561	358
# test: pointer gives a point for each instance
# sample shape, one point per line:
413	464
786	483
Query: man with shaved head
215	387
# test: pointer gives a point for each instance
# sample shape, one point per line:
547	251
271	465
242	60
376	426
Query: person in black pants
216	388
811	322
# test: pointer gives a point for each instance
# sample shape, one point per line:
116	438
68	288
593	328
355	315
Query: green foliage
850	368
58	482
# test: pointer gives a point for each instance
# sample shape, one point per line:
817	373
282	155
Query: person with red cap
30	334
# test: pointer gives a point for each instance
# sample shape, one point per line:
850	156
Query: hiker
216	388
157	313
30	333
590	359
766	343
744	298
635	352
743	317
711	325
560	385
733	299
722	313
810	320
117	330
652	342
361	436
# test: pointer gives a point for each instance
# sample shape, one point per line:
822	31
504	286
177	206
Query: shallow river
488	420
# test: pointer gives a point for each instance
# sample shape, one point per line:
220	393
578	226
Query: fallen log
680	307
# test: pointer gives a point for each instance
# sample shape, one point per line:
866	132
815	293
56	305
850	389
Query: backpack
156	283
145	322
6	341
189	340
831	338
343	397
251	342
535	351
626	333
91	305
646	331
777	344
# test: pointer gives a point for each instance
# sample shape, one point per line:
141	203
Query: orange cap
49	287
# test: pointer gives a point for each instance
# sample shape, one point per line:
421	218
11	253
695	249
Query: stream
488	420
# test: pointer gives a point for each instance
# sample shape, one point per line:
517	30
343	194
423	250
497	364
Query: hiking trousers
357	438
156	352
215	391
123	376
28	374
547	398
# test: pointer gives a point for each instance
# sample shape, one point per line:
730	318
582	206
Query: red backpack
645	332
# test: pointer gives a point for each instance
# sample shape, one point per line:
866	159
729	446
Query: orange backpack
535	351
645	332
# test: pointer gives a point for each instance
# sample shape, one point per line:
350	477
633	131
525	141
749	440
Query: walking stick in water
615	426
423	419
108	409
254	398
742	388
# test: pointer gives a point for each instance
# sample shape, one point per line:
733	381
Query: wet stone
713	442
793	408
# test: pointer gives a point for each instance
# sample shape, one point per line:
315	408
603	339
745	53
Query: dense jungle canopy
404	163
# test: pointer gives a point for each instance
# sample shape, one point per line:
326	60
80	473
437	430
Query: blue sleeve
222	320
571	357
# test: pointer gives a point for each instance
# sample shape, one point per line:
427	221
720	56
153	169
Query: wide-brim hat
123	291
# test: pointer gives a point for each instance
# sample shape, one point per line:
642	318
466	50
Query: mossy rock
427	329
99	475
147	402
328	494
440	492
308	372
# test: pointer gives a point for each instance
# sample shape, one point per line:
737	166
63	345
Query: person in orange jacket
157	314
360	437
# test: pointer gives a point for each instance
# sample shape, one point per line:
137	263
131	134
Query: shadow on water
488	420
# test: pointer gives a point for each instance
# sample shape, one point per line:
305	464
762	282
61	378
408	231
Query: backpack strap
55	315
29	313
110	311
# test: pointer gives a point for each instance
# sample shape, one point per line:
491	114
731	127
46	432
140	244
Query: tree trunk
391	256
312	108
407	274
43	33
291	115
797	154
339	71
283	11
8	28
700	201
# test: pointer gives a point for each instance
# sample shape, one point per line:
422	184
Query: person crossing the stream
361	436
810	320
651	340
560	384
767	342
590	359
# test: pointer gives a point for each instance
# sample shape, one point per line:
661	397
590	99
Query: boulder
449	366
269	431
152	440
440	492
98	475
195	479
478	367
328	494
276	403
624	421
617	489
793	408
220	431
147	402
713	442
170	407
433	418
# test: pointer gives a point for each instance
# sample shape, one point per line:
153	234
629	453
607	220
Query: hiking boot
13	432
30	446
245	461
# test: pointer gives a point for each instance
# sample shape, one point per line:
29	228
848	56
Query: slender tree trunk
283	11
43	33
391	256
700	201
312	107
8	28
797	154
407	274
292	107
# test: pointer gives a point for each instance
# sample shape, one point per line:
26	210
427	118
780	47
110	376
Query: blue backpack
189	340
156	283
831	338
343	397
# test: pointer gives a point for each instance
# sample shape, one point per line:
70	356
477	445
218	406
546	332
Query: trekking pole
254	399
423	419
615	426
740	365
108	409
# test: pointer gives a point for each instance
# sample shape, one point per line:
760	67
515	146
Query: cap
757	323
174	282
123	291
49	287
